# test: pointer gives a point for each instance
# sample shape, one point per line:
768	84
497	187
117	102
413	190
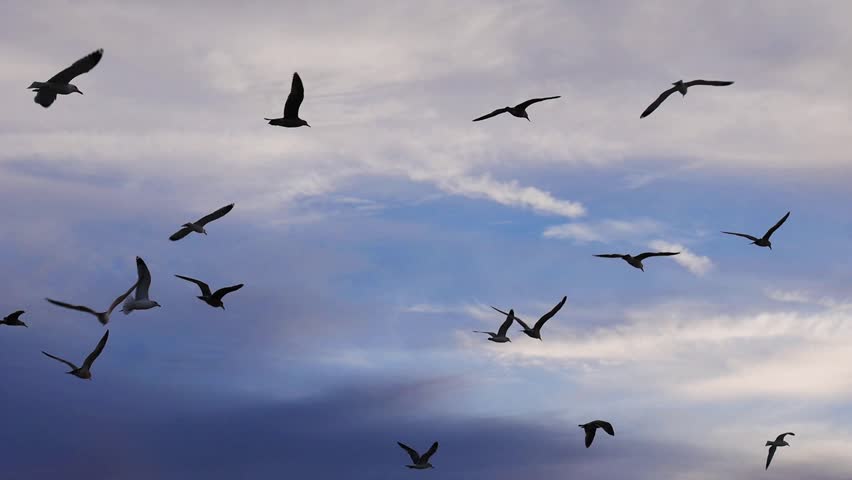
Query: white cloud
697	264
602	231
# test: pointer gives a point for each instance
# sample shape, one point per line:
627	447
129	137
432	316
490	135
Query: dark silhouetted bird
535	332
763	241
84	372
636	262
591	427
681	86
13	319
500	336
519	110
779	442
291	106
198	225
102	317
212	299
59	84
419	462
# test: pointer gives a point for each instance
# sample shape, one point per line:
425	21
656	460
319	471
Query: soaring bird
212	299
419	462
591	427
102	317
58	84
535	332
500	336
779	442
519	110
140	301
198	225
13	320
763	241
84	372
681	86
636	262
291	107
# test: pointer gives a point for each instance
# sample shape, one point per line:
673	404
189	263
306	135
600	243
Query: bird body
591	427
214	299
102	317
519	110
59	84
290	118
535	331
140	301
500	336
764	240
14	319
774	444
198	225
681	87
636	262
419	462
84	371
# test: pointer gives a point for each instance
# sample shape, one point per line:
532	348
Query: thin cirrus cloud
696	264
603	231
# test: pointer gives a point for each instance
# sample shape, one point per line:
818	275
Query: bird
500	336
198	225
13	320
102	317
681	86
519	110
58	84
140	301
212	299
763	241
291	106
591	427
535	332
419	462
84	372
636	262
779	442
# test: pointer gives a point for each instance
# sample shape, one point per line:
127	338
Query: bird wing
97	351
643	256
66	362
429	453
121	298
544	318
771	454
524	105
607	427
45	98
590	436
506	324
78	68
663	96
205	289
712	83
780	438
215	215
180	234
415	457
489	333
516	318
144	282
775	227
610	255
226	290
744	235
79	308
492	114
294	100
14	315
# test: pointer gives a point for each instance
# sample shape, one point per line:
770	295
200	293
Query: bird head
769	244
527	116
157	304
305	123
24	325
222	306
642	268
204	231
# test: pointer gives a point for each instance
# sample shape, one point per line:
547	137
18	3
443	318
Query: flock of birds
59	84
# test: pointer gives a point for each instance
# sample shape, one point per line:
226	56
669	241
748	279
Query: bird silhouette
198	225
14	320
290	117
636	262
59	84
102	317
419	462
212	299
519	110
764	240
592	427
681	86
773	445
84	372
500	336
535	332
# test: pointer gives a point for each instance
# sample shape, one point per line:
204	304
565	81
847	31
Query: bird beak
308	125
78	91
528	119
222	307
770	247
539	339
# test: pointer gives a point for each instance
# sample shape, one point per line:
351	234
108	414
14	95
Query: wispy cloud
603	230
697	264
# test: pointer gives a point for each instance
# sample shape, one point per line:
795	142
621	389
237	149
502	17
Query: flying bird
59	84
519	110
535	332
763	241
636	262
500	336
419	462
592	427
13	319
198	225
779	442
84	372
212	299
291	106
140	301
681	86
102	317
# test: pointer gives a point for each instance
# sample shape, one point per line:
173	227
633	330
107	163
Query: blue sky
373	243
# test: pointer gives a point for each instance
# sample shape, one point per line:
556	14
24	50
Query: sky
373	243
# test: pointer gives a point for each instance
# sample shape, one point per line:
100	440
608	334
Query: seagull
84	372
13	320
591	427
103	317
779	442
500	336
535	332
291	106
763	241
140	301
636	262
212	299
46	92
519	110
418	462
198	225
681	86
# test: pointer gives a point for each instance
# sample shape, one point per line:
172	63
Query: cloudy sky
373	243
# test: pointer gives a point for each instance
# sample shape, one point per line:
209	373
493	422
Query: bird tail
126	307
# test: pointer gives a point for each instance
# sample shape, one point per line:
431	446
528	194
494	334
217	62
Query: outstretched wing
205	289
215	215
744	235
769	457
14	315
780	438
429	453
78	68
712	83
523	324
607	427
415	457
79	308
66	362
610	255
643	256
489	333
180	234
144	282
506	324
294	100
524	105
492	114
226	290
590	435
663	96
121	298
97	351
775	227
548	315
